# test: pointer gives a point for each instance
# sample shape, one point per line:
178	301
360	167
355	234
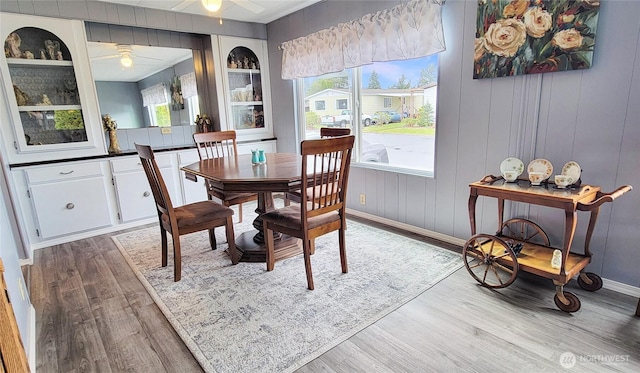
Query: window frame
356	111
324	104
153	116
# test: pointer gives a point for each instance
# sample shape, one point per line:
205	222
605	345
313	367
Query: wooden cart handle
604	197
490	179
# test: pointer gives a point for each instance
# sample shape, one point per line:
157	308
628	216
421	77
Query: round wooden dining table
280	173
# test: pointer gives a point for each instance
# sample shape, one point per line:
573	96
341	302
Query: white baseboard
621	288
408	227
607	284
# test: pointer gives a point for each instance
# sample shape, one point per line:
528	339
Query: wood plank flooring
93	315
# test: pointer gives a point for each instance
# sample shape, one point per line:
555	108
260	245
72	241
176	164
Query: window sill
395	169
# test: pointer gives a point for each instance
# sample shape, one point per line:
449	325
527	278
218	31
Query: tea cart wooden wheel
573	303
490	261
589	281
524	230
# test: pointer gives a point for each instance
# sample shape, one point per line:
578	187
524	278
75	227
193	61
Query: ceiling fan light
212	5
126	61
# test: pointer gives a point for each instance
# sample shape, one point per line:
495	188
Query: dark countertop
107	156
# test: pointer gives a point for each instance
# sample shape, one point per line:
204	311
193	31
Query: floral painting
534	36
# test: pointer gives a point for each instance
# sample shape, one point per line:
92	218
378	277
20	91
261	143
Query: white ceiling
105	61
109	69
239	10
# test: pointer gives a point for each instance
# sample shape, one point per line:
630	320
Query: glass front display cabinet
48	105
245	101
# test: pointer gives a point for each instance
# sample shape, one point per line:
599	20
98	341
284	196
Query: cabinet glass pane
53	127
248	116
245	89
45	87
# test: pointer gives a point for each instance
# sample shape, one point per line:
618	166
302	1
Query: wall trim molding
407	227
618	287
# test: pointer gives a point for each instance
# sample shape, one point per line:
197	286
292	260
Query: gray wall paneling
589	116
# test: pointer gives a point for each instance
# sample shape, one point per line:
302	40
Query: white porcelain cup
562	181
510	175
536	177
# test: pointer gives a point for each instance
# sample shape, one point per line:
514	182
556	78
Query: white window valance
154	95
409	30
188	84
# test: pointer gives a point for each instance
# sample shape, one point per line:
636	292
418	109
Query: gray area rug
244	319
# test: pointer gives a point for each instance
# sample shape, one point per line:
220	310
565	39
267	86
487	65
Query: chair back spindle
156	182
325	175
216	144
188	218
326	162
325	132
219	145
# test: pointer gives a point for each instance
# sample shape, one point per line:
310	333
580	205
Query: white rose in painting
538	22
567	39
505	37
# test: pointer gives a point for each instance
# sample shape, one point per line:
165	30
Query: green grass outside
395	128
399	129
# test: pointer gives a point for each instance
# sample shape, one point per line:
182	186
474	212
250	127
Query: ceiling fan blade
97	58
183	5
147	58
249	5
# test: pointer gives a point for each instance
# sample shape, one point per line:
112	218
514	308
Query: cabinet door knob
146	194
70	206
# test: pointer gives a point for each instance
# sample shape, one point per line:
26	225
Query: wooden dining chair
325	132
325	173
178	221
216	145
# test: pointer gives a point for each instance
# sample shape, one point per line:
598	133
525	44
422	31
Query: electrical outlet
165	130
363	199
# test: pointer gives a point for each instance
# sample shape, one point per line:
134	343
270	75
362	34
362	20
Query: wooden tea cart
522	245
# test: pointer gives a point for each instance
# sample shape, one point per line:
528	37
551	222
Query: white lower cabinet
65	201
133	193
192	191
68	198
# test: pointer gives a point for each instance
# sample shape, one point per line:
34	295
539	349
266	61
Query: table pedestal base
249	251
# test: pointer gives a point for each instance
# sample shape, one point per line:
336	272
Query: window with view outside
160	115
398	105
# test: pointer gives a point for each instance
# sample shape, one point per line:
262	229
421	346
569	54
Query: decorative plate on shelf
541	165
572	169
512	164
